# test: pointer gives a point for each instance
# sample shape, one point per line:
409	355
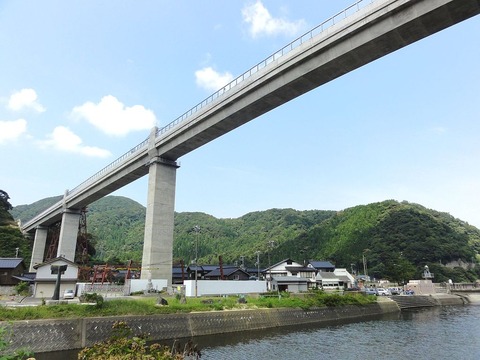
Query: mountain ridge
396	239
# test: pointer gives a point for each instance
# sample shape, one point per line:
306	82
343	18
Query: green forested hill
392	239
11	238
27	212
244	236
395	239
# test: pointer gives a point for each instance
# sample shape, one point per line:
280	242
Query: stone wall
54	335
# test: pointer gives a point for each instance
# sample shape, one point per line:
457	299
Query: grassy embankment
148	306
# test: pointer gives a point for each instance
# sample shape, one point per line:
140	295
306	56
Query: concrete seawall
66	334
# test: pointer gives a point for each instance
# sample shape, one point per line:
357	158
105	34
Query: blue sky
82	82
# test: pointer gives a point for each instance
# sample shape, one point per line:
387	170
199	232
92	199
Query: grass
147	306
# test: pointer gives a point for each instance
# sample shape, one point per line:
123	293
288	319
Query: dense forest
388	239
12	242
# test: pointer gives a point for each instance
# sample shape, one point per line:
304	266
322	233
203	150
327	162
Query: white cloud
209	79
261	22
11	130
114	118
65	140
25	98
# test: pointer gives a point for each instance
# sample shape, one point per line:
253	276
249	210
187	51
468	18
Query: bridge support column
67	241
38	247
159	220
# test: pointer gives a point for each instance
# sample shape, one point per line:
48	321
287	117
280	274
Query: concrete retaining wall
54	335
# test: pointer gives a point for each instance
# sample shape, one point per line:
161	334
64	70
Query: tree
4	201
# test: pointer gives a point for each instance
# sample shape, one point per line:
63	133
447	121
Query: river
447	332
450	332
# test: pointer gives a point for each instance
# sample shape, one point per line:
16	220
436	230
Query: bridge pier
159	220
67	241
39	243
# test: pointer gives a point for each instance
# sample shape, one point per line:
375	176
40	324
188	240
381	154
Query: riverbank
65	334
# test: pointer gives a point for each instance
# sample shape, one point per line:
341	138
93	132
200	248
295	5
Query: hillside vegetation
387	239
11	238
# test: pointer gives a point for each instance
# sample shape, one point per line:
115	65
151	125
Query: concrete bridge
366	31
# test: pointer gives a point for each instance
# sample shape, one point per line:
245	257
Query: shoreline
42	336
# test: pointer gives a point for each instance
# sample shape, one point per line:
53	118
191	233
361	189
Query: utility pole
196	228
365	266
258	264
271	245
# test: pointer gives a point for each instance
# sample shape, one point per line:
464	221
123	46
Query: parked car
353	289
395	290
370	291
383	292
68	294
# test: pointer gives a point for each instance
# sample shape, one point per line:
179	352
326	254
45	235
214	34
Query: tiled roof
178	270
226	271
343	278
10	263
327	275
321	264
299	268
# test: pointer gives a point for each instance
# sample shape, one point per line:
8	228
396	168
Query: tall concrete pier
67	241
159	219
39	244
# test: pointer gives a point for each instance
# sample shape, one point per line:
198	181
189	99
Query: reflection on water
450	332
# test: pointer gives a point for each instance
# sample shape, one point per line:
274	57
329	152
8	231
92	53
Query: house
229	273
279	269
199	270
10	271
288	275
46	280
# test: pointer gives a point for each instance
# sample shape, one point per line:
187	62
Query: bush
22	288
122	345
92	298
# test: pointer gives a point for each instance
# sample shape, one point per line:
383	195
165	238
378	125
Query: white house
45	280
345	277
288	275
339	279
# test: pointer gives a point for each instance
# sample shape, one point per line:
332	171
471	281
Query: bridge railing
350	10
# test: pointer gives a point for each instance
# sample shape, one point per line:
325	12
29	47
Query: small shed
10	269
45	280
